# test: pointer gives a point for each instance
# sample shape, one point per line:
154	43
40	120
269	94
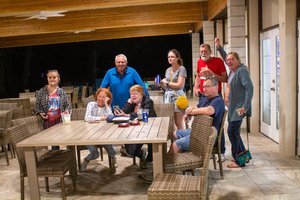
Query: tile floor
267	176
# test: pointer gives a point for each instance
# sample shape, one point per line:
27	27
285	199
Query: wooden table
84	133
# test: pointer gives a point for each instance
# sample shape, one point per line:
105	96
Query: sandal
233	165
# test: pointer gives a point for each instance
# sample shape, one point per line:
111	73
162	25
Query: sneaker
124	153
113	162
143	161
84	165
223	158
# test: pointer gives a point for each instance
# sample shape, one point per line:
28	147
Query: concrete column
219	33
288	75
236	27
195	52
209	34
253	63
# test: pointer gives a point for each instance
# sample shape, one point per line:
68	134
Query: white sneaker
223	158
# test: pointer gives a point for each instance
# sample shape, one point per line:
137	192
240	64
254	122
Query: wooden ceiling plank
214	7
21	7
106	34
104	19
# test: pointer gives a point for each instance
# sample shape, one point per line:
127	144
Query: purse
245	156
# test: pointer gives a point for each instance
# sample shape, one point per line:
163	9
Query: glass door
270	80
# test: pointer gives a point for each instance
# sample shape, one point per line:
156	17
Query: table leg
33	181
157	150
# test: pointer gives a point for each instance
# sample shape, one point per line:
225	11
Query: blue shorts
183	139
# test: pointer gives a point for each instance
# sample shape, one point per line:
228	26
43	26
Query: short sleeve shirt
173	76
216	65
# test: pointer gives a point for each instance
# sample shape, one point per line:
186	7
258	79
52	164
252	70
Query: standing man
239	104
209	66
120	79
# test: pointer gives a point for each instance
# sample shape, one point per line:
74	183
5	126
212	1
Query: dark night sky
148	55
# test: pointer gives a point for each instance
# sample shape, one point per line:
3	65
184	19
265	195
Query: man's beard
205	58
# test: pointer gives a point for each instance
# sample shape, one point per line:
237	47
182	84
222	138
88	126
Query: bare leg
179	122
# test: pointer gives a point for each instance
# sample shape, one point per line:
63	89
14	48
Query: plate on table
118	120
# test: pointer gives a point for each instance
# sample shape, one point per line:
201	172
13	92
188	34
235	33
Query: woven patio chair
182	187
5	122
195	157
166	110
217	146
55	166
84	92
75	97
79	114
87	100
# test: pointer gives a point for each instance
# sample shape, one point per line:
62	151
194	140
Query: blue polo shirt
219	106
120	85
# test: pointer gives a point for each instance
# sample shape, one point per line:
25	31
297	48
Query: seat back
84	92
87	100
5	119
17	134
34	124
166	110
210	137
201	127
78	114
8	106
75	97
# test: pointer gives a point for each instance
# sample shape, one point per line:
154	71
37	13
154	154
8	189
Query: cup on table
145	114
66	118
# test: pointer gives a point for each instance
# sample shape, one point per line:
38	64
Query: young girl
96	111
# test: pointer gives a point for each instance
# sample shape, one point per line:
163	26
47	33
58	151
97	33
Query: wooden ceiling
86	20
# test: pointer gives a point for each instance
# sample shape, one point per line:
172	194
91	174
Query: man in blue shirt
119	80
211	104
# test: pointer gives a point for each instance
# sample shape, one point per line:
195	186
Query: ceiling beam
21	7
214	7
104	19
104	34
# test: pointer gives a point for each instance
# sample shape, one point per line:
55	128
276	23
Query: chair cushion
181	161
174	186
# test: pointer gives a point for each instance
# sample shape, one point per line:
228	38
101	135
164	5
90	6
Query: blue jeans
237	145
94	153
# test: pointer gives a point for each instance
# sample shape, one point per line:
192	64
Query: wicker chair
79	114
217	146
166	110
55	166
87	100
84	92
75	97
198	139
5	121
181	187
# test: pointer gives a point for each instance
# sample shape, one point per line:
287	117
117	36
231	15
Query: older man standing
119	80
239	104
209	66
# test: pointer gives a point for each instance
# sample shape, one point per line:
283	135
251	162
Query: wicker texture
5	122
166	110
51	166
217	147
181	187
75	97
87	100
198	140
25	102
8	106
79	114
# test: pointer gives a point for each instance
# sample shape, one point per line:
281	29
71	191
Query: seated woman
96	111
138	100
